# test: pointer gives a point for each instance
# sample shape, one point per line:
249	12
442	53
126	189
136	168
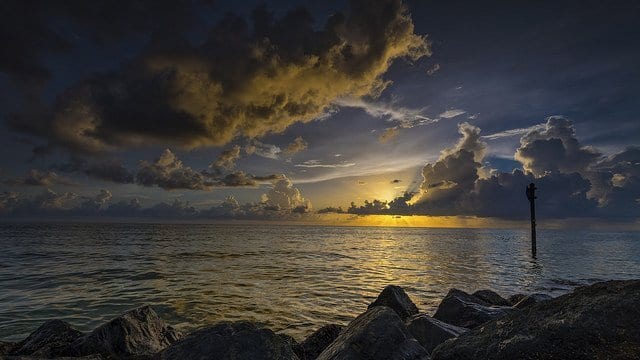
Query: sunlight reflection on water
291	278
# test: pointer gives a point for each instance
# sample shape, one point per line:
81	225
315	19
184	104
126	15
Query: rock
139	332
531	299
227	341
5	348
491	297
594	322
432	332
394	297
514	299
378	334
47	341
315	343
464	310
90	357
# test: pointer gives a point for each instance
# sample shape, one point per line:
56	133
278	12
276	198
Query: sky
303	110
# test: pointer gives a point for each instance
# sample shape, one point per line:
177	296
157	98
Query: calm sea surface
291	278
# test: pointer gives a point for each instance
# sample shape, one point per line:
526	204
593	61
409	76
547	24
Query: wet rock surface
594	322
397	299
515	298
231	341
315	343
531	299
47	341
379	333
137	333
492	298
432	332
465	310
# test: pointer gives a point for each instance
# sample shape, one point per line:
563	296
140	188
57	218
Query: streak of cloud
513	132
319	164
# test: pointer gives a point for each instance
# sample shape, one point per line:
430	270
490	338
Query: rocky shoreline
599	321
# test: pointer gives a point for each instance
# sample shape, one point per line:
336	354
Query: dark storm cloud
168	172
573	180
31	30
242	81
227	159
554	148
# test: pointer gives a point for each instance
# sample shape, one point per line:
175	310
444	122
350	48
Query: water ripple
293	279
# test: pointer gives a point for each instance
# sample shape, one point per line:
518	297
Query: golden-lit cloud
243	80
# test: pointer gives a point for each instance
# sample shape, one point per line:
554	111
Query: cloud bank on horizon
573	181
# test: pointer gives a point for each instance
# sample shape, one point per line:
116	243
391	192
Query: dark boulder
465	310
594	322
432	332
491	297
395	298
378	334
47	341
227	341
139	332
5	347
315	343
515	298
90	357
531	299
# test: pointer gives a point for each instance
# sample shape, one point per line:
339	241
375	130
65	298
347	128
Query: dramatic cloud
554	149
244	80
296	146
168	172
227	159
470	141
40	178
572	180
28	34
285	196
448	180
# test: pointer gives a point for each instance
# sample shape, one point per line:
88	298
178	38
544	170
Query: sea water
292	279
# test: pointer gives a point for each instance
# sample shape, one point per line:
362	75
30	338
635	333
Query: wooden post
531	195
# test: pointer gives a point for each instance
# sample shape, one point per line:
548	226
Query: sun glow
413	221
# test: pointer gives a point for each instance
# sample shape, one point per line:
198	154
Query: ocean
292	279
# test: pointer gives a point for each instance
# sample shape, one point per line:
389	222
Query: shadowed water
291	278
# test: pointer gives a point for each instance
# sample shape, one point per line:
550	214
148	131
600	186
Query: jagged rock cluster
593	322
